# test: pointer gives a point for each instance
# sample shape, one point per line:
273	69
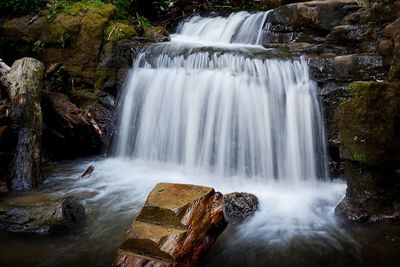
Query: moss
118	31
48	221
369	123
104	10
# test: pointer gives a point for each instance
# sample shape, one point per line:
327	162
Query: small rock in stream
239	206
88	172
49	218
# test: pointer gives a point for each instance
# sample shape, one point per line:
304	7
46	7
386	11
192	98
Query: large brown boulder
176	226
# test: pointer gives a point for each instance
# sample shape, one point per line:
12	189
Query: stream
213	107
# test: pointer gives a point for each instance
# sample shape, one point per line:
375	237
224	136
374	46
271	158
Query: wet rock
70	131
24	89
239	206
355	38
372	196
54	218
88	172
347	68
318	15
176	226
386	47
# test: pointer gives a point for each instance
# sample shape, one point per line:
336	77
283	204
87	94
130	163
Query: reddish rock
176	226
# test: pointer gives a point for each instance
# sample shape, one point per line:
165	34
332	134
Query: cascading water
226	113
218	108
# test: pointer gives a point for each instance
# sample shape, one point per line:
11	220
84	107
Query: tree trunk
24	85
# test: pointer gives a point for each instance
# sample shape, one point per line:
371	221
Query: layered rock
176	226
24	84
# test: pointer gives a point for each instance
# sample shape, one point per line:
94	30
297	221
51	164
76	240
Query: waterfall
228	113
241	27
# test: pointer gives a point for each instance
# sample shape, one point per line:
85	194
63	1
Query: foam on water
122	185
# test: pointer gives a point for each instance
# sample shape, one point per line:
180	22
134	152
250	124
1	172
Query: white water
226	114
241	27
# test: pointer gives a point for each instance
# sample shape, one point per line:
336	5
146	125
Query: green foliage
62	40
38	45
56	6
20	7
163	5
142	22
125	7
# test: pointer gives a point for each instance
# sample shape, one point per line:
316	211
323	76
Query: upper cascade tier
238	28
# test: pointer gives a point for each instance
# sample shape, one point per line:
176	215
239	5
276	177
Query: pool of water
295	225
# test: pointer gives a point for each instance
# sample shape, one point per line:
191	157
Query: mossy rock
369	124
104	10
118	31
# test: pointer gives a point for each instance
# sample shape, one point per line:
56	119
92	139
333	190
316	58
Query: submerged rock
176	226
88	172
239	206
49	218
